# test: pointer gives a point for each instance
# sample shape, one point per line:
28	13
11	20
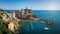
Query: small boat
46	29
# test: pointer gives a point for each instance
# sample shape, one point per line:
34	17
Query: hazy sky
32	4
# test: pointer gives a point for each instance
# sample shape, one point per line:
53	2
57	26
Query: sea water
38	27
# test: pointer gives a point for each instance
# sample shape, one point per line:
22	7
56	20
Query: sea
36	27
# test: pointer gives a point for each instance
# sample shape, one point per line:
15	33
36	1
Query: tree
3	28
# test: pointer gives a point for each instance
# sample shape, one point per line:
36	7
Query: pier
44	21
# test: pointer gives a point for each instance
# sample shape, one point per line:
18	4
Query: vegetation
3	28
1	10
26	21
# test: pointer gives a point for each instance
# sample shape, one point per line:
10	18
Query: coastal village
13	19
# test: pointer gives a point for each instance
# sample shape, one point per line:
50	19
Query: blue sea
38	27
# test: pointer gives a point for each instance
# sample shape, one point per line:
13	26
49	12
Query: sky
31	4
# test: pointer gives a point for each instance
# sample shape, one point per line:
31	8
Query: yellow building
11	26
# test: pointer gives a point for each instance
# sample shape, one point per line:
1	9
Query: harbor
13	20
